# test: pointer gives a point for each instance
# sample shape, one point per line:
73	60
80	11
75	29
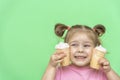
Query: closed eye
74	45
87	45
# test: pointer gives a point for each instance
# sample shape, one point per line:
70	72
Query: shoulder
63	68
98	74
62	73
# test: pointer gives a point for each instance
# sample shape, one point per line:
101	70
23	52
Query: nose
80	49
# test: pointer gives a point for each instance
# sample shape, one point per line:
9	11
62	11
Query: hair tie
93	29
99	34
68	28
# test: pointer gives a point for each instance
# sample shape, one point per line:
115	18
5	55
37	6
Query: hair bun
99	29
60	29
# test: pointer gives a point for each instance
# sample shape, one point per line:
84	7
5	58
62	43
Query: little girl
82	40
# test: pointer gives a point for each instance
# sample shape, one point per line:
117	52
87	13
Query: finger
59	61
57	57
106	63
57	53
61	56
105	67
102	60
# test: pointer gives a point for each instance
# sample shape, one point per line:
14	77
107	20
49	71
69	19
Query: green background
27	36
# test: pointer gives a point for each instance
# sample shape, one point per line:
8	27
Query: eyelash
86	45
75	45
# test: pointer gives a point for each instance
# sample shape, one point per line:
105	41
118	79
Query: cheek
89	52
72	50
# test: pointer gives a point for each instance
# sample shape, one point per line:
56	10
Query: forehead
80	37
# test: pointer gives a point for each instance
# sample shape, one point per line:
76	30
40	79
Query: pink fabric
72	72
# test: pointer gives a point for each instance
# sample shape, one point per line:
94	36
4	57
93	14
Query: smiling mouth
80	57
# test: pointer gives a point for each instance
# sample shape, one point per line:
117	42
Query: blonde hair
94	33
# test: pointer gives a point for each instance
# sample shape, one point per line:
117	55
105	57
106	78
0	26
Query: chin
81	64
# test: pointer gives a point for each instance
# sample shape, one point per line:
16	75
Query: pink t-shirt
72	72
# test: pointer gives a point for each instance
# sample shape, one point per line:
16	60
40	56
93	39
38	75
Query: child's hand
105	65
56	58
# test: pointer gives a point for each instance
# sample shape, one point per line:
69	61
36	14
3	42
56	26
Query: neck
76	66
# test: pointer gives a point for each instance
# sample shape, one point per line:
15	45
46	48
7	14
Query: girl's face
81	47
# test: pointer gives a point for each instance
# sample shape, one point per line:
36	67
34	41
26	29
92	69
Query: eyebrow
73	42
78	42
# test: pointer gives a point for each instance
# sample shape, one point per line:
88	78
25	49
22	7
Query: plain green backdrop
27	36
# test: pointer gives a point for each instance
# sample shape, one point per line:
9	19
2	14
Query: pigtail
60	29
99	29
